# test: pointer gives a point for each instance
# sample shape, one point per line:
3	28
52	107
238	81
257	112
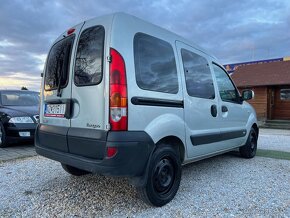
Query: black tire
163	179
250	148
3	140
73	170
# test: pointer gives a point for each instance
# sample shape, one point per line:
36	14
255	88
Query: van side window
58	64
89	57
198	77
226	88
155	64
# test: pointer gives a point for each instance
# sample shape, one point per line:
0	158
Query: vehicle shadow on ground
20	144
93	194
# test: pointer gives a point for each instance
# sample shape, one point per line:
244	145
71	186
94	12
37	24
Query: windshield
19	98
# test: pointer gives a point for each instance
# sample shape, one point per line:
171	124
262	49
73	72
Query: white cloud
6	43
4	57
228	29
40	60
15	80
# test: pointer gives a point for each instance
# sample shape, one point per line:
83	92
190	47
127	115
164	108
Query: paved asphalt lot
222	186
17	151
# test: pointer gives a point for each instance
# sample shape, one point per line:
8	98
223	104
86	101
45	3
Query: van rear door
56	105
88	85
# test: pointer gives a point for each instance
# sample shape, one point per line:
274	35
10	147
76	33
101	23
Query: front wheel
250	148
163	179
3	141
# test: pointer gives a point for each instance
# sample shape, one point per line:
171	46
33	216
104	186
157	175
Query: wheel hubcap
163	176
253	142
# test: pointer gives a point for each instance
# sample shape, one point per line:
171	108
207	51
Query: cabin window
155	64
227	90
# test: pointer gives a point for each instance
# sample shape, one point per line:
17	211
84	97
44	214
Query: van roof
125	19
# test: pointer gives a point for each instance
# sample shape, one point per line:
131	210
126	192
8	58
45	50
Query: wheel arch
256	128
176	143
168	129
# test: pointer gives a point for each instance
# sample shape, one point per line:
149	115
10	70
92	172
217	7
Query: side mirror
248	94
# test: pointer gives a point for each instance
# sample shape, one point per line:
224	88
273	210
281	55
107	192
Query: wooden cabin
271	84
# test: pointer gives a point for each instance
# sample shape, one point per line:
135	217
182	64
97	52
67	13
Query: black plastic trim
88	133
216	137
157	102
86	149
89	143
53	137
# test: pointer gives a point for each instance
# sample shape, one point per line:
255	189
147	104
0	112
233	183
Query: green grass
274	154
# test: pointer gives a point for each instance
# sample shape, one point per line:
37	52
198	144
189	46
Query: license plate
54	110
24	134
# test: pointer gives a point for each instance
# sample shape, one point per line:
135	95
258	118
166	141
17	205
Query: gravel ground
222	186
274	139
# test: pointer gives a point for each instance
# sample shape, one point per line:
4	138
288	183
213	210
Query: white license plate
54	110
24	134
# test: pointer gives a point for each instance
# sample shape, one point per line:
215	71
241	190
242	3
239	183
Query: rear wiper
63	69
58	94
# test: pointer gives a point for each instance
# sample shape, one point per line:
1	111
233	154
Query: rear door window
89	57
58	64
155	64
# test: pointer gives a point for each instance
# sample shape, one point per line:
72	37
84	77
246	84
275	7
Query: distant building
271	83
232	67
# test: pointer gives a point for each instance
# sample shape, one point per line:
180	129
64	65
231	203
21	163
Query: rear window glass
155	64
20	98
89	57
58	64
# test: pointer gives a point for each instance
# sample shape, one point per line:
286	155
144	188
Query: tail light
118	93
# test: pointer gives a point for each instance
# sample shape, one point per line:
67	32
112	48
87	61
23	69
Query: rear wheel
73	170
3	141
163	179
250	148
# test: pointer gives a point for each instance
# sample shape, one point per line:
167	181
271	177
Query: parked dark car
19	113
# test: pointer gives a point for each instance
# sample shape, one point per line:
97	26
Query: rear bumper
86	149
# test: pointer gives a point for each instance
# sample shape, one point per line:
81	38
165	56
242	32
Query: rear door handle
224	109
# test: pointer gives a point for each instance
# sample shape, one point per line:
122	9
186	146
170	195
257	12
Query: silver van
124	97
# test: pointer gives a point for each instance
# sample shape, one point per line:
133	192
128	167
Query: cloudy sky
234	31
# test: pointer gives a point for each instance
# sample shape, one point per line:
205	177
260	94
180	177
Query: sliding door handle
213	110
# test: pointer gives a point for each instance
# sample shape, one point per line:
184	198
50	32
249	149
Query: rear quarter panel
157	121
